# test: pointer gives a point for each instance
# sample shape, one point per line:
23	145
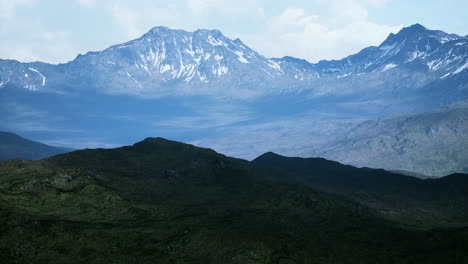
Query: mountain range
165	60
203	87
168	202
172	62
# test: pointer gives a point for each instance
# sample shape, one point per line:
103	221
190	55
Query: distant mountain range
167	202
166	62
13	146
205	88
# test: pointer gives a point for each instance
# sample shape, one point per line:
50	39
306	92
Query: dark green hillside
429	202
160	201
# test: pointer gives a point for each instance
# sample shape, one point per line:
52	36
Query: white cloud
30	40
7	10
225	7
328	29
87	3
127	19
198	7
344	30
378	3
7	6
343	12
58	35
49	46
81	143
136	20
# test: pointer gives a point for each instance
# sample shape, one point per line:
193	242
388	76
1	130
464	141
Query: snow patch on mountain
462	68
389	66
31	87
215	42
131	77
241	56
40	74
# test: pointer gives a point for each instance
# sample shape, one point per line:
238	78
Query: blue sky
56	30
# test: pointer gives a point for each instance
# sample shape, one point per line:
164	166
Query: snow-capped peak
164	58
177	55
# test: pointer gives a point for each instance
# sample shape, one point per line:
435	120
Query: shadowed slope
430	201
160	201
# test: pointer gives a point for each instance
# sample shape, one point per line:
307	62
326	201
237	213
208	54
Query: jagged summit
416	27
161	31
414	45
178	57
158	29
419	32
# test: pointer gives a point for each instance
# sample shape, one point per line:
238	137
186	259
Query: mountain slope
403	198
433	143
159	63
167	202
13	146
413	46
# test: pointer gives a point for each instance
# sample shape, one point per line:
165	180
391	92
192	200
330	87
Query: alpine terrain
205	88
